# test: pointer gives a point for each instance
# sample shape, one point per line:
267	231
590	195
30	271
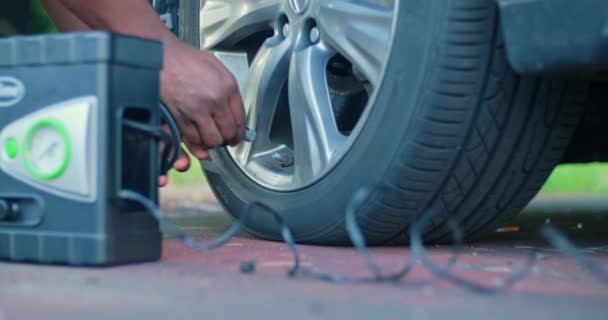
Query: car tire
453	128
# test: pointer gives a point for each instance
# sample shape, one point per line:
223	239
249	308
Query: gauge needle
49	150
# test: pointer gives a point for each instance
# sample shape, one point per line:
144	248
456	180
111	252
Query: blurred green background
23	16
26	16
567	179
570	179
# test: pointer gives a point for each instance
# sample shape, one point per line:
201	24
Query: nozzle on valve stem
250	135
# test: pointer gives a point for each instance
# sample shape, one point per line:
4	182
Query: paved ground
188	284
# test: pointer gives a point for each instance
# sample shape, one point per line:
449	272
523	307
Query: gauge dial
47	149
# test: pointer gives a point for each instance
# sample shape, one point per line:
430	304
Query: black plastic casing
123	73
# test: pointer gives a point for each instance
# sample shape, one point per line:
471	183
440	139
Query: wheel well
589	143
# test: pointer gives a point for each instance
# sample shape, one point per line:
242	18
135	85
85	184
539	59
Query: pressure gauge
46	149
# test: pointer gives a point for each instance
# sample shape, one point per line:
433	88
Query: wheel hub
299	24
309	88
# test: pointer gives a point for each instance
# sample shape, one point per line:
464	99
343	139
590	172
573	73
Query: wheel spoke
267	75
224	22
359	30
315	133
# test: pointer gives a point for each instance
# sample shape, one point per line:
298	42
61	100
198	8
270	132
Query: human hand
203	97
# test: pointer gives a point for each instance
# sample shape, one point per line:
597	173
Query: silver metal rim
290	71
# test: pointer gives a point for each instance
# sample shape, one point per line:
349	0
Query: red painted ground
187	284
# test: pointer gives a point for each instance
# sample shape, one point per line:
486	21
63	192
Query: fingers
210	133
197	150
238	113
162	181
217	130
183	162
229	114
200	132
191	135
227	127
182	165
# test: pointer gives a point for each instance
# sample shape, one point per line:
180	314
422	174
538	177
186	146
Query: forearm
62	17
134	17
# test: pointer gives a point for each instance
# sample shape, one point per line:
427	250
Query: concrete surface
187	284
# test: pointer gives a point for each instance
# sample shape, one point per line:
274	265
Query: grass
591	178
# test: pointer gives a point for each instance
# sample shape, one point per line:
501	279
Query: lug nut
4	210
15	208
314	35
286	30
284	160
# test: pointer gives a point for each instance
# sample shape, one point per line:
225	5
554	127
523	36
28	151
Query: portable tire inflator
65	151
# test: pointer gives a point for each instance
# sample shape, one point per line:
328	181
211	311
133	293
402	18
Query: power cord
567	247
171	141
234	229
176	141
417	249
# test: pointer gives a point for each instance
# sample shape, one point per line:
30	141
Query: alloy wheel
308	72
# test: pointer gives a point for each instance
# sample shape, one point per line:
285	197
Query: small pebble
248	267
579	226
